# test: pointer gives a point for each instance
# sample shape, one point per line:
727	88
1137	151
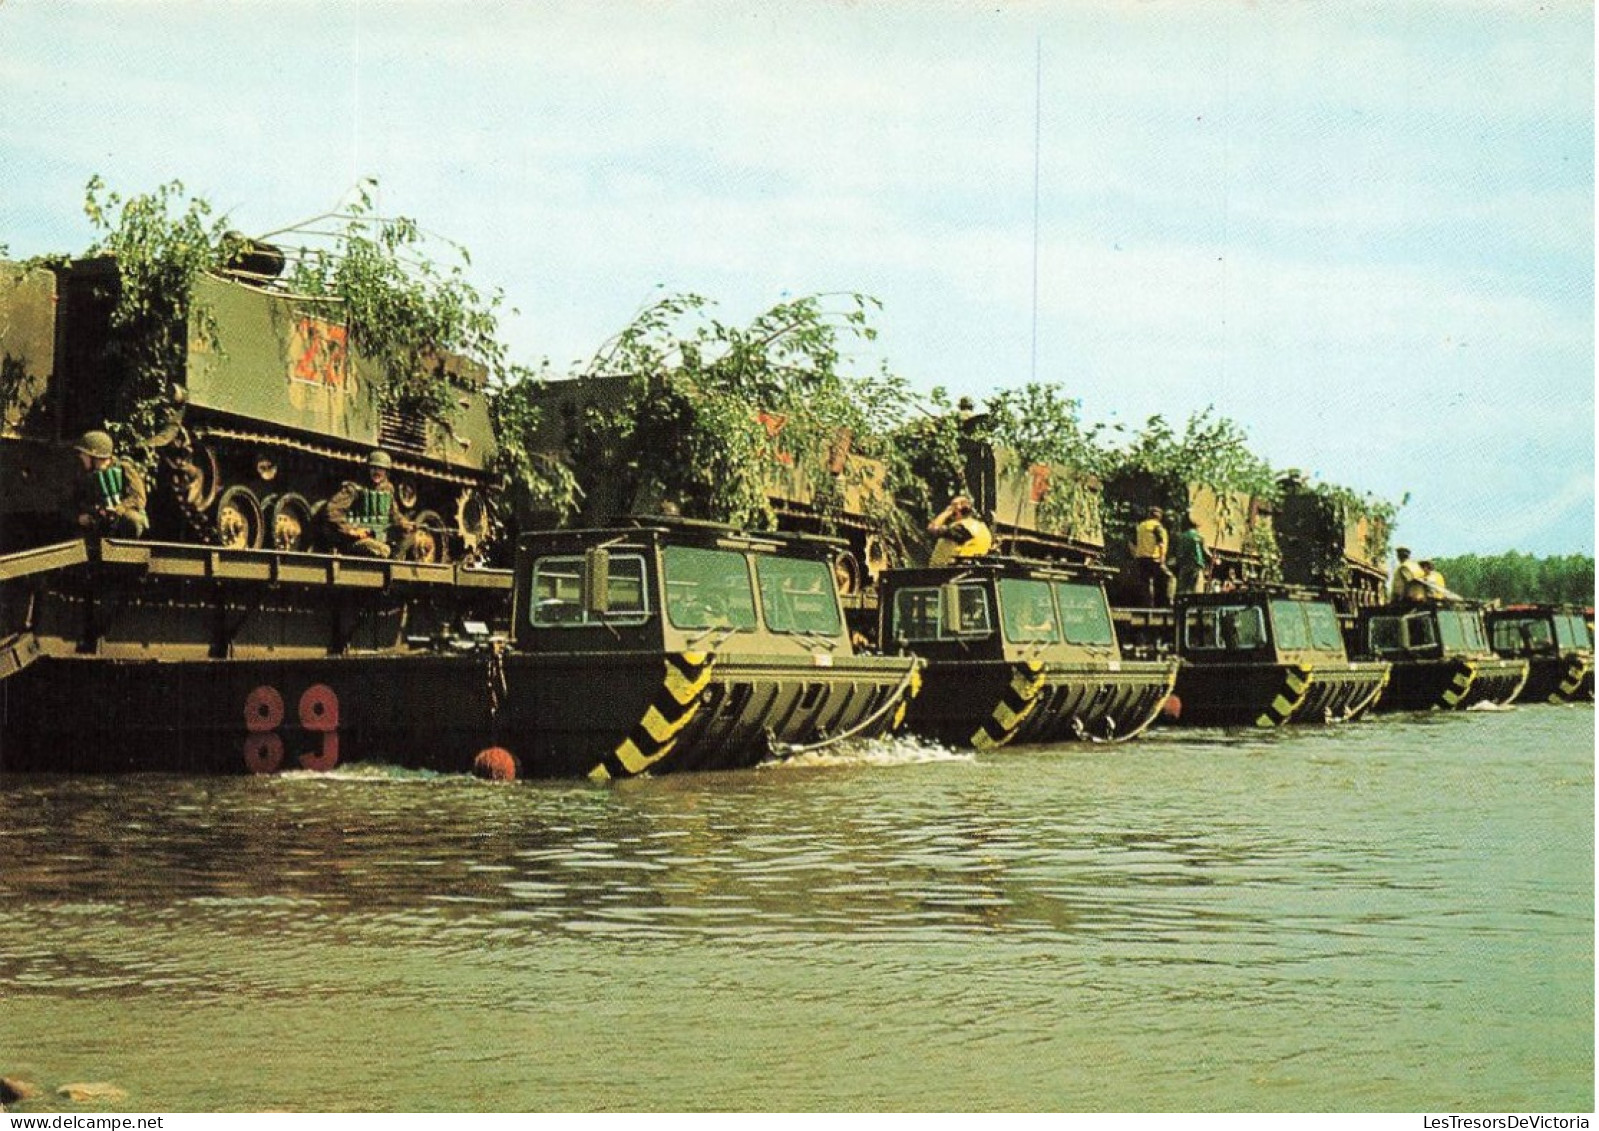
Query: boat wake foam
900	750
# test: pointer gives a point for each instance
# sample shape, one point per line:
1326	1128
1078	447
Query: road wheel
240	523
289	522
429	543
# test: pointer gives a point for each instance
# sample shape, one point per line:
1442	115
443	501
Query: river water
1392	915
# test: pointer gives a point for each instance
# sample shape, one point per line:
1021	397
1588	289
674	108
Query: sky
1365	232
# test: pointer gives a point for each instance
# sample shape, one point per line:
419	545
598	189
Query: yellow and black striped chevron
1018	701
1576	670
913	688
1465	675
1296	685
673	708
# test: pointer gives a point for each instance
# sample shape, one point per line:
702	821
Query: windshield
1293	631
1461	631
1028	609
1326	634
558	593
707	588
1232	628
1085	614
1413	632
797	595
1572	631
919	614
1521	634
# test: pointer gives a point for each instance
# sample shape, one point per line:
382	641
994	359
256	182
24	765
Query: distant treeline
1521	577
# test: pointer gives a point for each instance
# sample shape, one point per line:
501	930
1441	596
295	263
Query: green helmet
96	444
380	459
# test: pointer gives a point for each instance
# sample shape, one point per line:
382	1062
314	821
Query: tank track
332	455
198	522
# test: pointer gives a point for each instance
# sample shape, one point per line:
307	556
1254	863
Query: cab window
707	588
797	595
1085	614
558	593
1415	632
1326	635
1460	631
1572	632
1231	628
918	614
1522	634
1028	609
1293	631
1420	632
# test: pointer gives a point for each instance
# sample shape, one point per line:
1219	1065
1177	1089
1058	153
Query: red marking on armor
1040	481
323	352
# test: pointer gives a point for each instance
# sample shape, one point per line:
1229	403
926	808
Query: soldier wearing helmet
108	497
363	519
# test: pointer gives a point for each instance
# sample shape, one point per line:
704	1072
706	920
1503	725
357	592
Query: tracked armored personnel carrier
1332	543
273	408
1440	656
1555	642
1017	652
1265	657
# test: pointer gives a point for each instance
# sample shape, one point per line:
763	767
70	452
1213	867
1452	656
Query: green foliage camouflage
403	311
161	244
716	414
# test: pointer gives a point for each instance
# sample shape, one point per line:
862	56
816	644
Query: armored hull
272	409
1265	694
986	704
1558	679
1452	683
1556	643
1262	656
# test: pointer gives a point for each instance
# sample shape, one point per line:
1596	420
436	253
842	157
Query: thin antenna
1038	114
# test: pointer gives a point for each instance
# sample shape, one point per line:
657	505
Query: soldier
109	496
1433	580
1149	559
361	519
1193	559
1407	578
959	533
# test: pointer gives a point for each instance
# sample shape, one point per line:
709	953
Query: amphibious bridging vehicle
1017	652
1557	645
629	650
1440	656
1267	656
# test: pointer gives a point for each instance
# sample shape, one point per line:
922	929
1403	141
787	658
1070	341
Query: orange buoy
1172	708
495	764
